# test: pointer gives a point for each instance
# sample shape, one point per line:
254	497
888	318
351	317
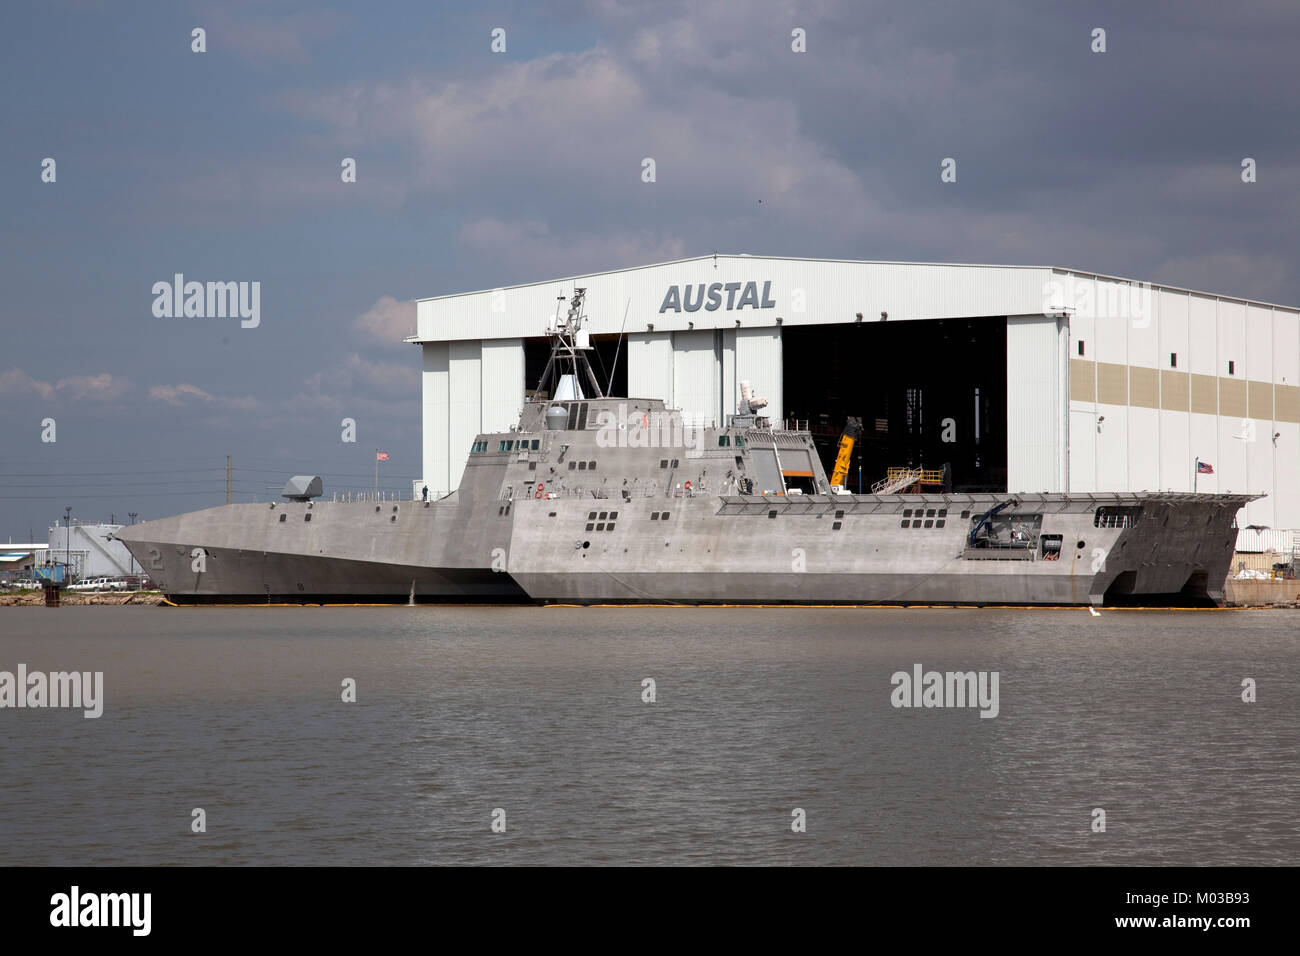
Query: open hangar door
604	349
929	393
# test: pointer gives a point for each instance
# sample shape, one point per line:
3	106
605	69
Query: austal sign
710	296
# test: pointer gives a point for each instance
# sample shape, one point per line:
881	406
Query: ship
596	499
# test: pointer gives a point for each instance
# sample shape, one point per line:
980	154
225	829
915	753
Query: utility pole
229	488
67	541
130	556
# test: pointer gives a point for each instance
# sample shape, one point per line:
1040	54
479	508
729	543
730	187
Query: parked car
99	584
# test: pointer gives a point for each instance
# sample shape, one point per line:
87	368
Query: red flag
1204	468
381	456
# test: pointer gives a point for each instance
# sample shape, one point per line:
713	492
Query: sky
478	168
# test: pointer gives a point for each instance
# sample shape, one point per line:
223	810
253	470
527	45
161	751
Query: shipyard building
999	378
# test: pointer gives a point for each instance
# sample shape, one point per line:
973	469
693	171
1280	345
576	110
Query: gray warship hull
733	549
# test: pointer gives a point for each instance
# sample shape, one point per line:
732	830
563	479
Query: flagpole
1196	474
376	474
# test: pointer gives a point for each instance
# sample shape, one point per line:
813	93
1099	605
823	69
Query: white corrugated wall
434	398
696	375
650	365
503	384
1033	404
759	362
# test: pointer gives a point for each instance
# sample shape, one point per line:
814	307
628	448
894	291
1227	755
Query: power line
59	496
108	474
85	484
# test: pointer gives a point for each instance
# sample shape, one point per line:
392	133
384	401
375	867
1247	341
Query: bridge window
723	441
740	442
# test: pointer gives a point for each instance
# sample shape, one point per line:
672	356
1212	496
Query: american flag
1204	467
381	456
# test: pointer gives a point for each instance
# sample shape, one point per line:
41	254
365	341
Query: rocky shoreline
75	599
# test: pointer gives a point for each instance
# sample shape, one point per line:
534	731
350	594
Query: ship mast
569	348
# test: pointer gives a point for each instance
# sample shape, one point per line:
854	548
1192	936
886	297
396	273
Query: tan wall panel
1287	398
1205	394
1173	390
1232	398
1083	380
1112	383
1143	387
1260	398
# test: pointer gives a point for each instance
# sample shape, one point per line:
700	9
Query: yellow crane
852	432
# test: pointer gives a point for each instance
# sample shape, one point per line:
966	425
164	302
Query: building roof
1061	270
779	290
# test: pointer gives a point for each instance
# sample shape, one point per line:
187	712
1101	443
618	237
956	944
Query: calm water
539	712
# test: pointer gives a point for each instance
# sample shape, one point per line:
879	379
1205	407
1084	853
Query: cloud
185	395
355	374
103	387
530	248
286	39
388	321
15	381
579	125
